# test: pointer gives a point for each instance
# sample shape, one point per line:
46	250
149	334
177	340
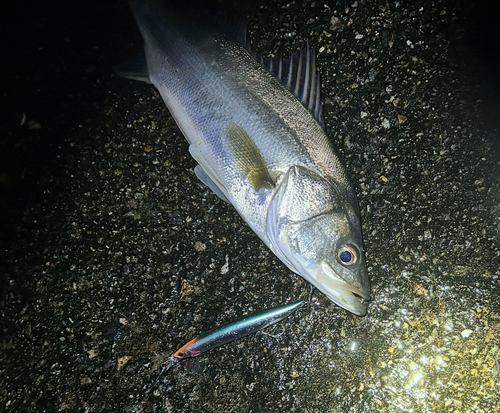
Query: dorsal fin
298	74
236	29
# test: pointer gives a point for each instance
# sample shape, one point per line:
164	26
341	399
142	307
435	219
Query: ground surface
114	255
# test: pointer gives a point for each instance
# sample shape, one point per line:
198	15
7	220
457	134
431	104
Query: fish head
314	227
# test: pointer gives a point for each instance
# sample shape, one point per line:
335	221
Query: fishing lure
231	331
226	333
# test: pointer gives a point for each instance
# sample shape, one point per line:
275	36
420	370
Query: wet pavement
120	255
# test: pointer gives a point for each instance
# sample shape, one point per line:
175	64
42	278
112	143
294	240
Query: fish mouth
343	294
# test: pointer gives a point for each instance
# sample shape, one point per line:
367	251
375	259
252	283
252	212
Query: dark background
53	53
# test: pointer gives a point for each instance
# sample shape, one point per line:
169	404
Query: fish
255	127
231	331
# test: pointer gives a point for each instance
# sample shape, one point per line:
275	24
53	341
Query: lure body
234	330
231	331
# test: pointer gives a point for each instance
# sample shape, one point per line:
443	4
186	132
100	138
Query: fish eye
347	255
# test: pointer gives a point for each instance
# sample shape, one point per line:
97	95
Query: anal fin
203	177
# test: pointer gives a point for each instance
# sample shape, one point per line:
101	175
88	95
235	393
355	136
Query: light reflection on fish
258	138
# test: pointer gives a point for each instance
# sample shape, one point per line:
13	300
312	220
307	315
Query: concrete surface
118	255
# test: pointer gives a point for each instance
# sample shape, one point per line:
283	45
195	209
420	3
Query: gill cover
315	231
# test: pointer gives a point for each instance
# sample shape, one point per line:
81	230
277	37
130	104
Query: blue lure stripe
236	329
226	333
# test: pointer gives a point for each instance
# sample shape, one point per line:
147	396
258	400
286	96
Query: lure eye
181	354
185	354
347	255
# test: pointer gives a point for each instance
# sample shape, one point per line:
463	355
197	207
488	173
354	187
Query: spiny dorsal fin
236	29
298	74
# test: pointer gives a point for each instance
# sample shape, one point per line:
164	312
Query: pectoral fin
247	158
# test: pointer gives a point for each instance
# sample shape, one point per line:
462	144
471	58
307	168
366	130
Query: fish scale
255	142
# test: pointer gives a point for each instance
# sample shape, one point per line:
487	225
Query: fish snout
347	294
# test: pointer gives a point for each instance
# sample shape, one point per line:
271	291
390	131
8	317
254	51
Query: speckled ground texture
121	255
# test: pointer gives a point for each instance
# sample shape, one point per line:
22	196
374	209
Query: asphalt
114	255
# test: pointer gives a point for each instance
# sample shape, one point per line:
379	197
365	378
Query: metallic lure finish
228	332
258	147
231	331
235	330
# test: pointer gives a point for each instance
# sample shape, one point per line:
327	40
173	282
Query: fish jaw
343	294
309	233
330	283
325	278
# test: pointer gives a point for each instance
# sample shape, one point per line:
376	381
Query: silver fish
258	146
